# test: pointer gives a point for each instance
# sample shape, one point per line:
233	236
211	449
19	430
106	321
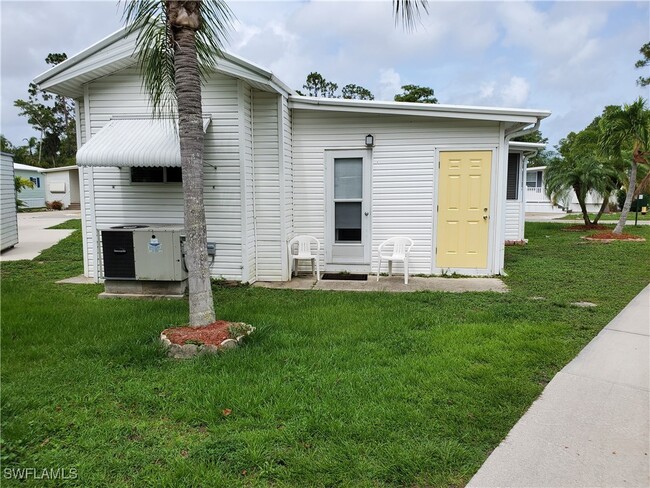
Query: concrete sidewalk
34	236
590	427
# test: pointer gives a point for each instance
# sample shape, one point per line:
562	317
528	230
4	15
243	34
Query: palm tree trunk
602	207
628	200
581	202
190	126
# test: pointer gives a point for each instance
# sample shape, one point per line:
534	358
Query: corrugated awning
134	142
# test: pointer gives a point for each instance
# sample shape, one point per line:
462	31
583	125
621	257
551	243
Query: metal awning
134	142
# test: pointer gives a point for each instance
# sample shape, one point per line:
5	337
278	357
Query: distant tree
625	134
317	86
5	144
356	92
642	63
53	117
20	184
543	156
581	167
416	94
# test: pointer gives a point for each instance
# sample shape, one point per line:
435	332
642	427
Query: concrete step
74	206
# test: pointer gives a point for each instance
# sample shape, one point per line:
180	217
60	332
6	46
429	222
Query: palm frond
155	48
408	12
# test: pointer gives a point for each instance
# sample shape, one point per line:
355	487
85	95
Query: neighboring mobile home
9	223
31	197
351	173
62	184
538	202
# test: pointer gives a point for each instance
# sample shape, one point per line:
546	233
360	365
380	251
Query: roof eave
419	109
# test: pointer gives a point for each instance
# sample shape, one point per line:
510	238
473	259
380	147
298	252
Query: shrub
54	205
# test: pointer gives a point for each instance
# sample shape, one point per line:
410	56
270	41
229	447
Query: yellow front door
463	209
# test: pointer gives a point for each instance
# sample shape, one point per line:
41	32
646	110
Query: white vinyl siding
514	232
9	222
288	170
403	171
266	153
118	201
248	182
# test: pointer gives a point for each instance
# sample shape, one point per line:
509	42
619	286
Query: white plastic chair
395	249
304	253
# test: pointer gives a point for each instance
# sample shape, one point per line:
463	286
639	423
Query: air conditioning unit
143	259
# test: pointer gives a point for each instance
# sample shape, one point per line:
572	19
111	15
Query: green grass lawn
335	389
613	216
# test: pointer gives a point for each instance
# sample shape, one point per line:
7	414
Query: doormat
345	276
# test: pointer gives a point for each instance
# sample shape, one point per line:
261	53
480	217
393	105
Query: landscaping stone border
187	351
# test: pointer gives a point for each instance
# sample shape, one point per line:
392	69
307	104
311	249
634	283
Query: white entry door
347	233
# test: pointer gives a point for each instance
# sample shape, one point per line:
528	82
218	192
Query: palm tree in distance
178	43
627	129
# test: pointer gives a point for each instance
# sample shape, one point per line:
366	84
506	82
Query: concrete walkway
557	219
590	427
34	236
391	284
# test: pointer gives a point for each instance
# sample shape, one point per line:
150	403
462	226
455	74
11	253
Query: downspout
504	164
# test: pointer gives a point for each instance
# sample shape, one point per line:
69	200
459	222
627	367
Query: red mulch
583	227
214	333
610	236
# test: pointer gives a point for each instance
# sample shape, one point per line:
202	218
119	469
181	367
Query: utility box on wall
143	259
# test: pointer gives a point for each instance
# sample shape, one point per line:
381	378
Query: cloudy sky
572	58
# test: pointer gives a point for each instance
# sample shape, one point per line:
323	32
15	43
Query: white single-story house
351	173
62	184
9	219
31	197
538	202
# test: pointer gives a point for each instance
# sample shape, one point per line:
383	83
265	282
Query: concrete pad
34	236
392	284
139	296
590	427
77	280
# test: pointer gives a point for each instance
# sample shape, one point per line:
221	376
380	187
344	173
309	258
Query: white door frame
366	208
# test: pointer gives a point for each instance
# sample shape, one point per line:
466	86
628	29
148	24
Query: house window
512	192
156	174
534	179
36	181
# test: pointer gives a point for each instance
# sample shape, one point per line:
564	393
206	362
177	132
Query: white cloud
390	83
515	93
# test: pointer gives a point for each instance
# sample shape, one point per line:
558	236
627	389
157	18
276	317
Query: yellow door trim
463	209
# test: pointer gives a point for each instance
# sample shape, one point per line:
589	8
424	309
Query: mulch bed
610	237
583	227
213	334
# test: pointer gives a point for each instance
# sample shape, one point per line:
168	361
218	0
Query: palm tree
581	168
623	130
177	42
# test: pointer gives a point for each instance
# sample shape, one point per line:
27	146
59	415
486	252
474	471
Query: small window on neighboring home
512	191
531	179
36	181
156	174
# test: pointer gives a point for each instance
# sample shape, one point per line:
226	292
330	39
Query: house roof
527	146
116	52
134	142
56	170
26	167
515	115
